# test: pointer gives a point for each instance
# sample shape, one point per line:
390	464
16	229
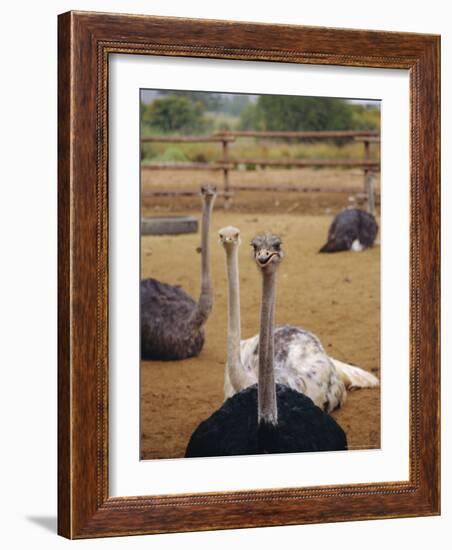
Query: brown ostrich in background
172	323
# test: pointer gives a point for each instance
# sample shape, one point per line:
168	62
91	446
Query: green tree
304	113
172	114
366	117
251	118
211	101
234	104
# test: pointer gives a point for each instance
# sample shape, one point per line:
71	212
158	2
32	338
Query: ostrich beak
264	257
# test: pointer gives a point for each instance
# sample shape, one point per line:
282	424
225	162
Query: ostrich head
267	251
229	236
208	192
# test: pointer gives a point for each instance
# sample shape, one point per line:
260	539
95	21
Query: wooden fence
226	164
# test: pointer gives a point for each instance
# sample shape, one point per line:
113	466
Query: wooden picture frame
85	42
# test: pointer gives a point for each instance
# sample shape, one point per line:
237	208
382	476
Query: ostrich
300	360
172	323
267	417
352	229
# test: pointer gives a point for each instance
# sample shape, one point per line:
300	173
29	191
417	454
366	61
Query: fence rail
188	166
305	163
369	139
263	187
187	139
226	165
320	134
298	163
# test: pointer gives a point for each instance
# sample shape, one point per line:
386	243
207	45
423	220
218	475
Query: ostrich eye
277	246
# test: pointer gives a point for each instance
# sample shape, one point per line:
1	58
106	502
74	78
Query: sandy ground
335	296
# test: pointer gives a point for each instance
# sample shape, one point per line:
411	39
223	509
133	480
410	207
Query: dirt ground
336	296
351	181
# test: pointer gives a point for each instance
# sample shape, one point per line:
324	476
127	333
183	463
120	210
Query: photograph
259	274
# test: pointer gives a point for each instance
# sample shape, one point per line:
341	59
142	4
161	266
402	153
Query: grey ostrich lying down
267	417
352	229
300	360
172	323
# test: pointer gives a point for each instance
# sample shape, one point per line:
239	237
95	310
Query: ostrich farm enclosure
336	296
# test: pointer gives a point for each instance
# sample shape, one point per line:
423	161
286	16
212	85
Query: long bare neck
232	267
238	376
206	283
267	407
204	305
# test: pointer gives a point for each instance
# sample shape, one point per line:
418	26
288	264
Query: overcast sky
148	95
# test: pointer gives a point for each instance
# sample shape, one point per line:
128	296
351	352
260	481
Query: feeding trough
169	225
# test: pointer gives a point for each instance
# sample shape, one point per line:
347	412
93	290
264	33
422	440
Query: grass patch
251	148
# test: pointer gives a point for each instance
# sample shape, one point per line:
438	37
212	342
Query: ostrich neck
206	283
237	374
267	408
204	305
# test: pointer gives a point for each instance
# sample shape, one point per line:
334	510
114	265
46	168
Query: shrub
173	114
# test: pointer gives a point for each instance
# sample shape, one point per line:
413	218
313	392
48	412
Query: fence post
368	180
366	157
370	189
227	196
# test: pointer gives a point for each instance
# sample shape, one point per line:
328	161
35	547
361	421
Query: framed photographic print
248	275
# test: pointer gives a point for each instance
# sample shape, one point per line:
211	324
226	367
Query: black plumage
234	430
349	226
170	328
